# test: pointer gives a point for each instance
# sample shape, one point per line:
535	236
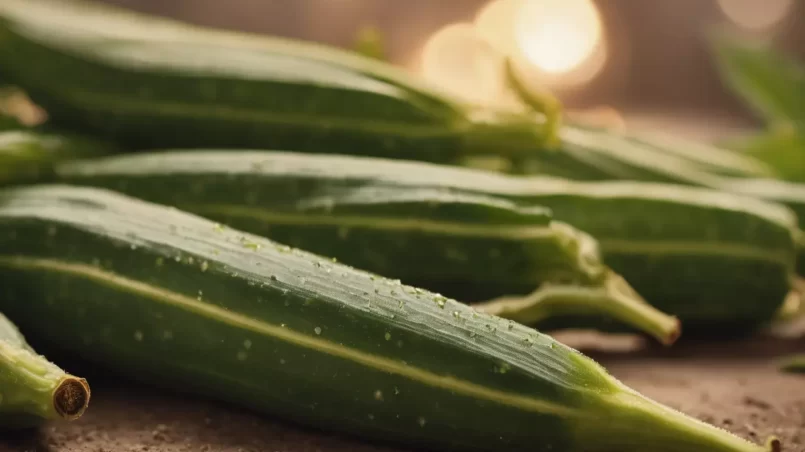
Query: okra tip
673	333
71	397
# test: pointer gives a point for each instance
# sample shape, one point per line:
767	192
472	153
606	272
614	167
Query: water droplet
218	227
160	261
396	390
200	295
138	336
388	336
422	421
242	355
167	335
178	258
282	361
317	330
190	260
334	259
247	344
282	325
204	266
456	314
379	395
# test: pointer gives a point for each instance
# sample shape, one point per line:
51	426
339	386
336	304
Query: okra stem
646	422
614	299
543	102
32	389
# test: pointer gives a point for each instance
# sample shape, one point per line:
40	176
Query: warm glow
756	14
460	61
495	23
558	35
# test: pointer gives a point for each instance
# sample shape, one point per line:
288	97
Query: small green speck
254	246
396	390
387	336
160	261
379	395
317	330
138	336
334	259
204	266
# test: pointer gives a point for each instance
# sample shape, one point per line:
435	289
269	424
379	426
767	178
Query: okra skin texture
173	299
719	261
34	390
152	82
467	246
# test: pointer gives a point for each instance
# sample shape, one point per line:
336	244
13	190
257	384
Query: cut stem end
71	398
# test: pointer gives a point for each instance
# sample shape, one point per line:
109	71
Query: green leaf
771	83
781	148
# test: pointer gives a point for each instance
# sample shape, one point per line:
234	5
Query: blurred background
644	58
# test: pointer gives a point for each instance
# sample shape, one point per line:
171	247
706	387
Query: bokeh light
756	15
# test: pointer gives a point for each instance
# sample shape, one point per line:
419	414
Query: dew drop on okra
317	330
379	395
388	336
247	344
138	336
